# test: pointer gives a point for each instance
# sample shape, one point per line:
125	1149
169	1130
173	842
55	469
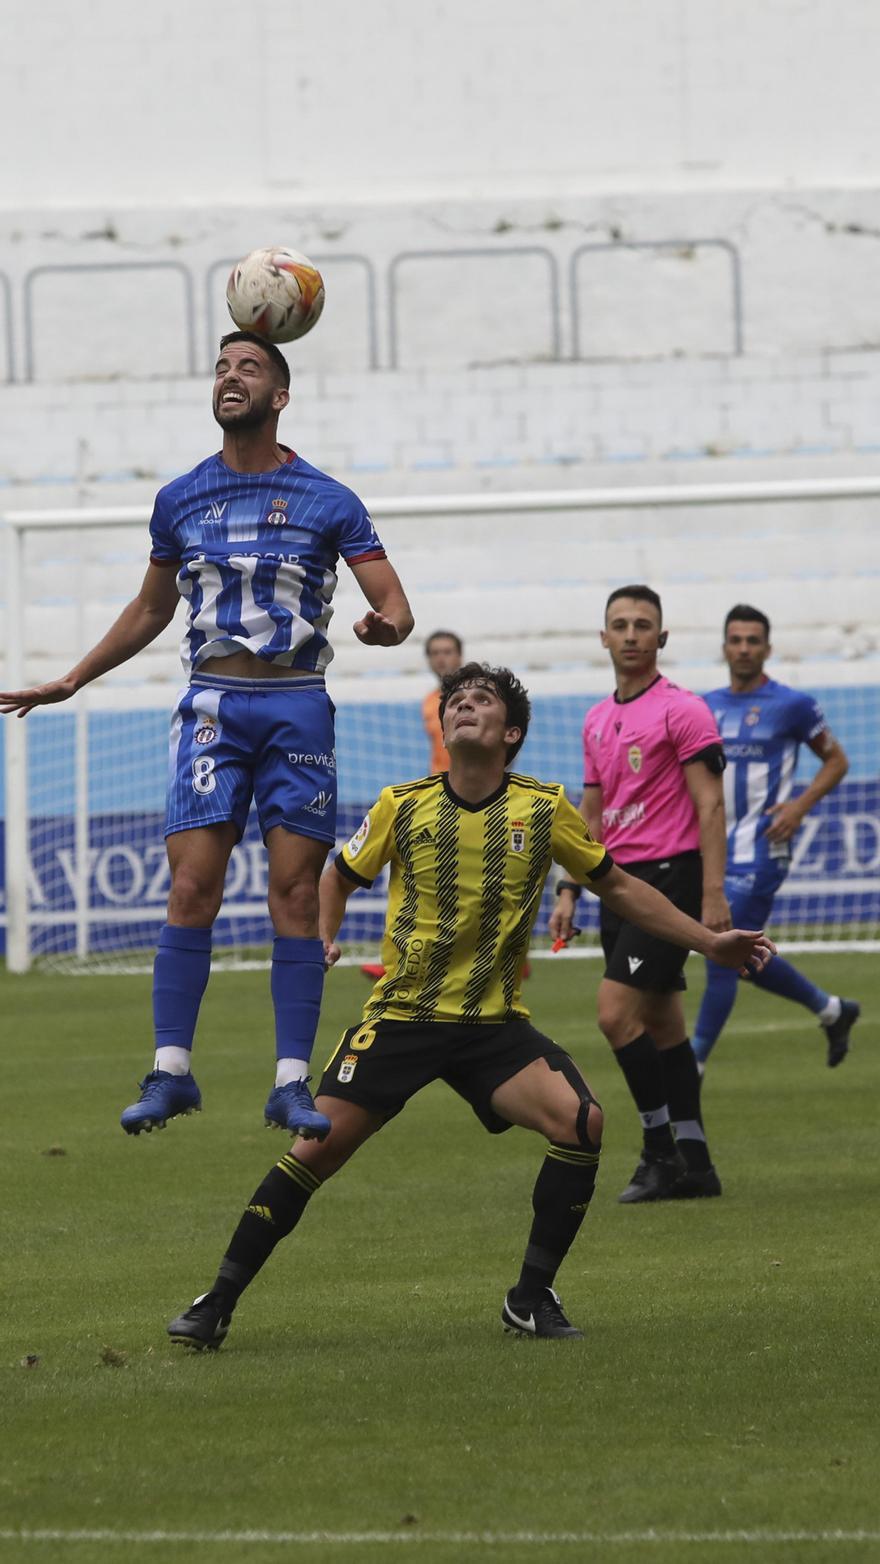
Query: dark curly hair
506	686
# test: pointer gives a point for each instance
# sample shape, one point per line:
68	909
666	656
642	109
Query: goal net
523	578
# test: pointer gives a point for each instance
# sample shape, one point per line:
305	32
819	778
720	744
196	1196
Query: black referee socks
643	1072
682	1080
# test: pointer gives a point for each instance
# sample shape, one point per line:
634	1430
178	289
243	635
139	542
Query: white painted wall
412	431
211	101
584	243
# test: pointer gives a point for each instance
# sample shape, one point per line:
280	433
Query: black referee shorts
380	1065
636	958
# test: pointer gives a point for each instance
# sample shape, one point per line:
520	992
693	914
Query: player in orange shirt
444	651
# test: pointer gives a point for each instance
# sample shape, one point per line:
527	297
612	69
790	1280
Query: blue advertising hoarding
835	877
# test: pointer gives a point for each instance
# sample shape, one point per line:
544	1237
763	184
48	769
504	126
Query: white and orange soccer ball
276	292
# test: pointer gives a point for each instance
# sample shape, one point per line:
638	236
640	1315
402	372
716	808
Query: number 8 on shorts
204	780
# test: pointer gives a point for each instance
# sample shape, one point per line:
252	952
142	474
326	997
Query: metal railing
19	301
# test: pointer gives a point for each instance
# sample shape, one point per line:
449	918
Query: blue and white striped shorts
268	739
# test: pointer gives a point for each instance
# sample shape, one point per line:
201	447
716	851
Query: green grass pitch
727	1383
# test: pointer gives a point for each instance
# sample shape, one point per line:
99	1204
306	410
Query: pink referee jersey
635	750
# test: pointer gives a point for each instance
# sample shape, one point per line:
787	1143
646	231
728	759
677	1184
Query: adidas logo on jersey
634	963
423	837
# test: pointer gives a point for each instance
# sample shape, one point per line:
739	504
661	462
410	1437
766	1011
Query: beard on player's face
252	412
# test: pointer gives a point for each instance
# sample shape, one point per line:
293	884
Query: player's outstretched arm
389	619
139	623
334	892
647	907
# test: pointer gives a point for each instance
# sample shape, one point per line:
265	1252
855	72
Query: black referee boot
837	1032
695	1184
654	1178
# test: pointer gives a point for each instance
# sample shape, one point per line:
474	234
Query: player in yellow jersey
469	852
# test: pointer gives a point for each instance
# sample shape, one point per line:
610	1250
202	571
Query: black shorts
638	959
380	1066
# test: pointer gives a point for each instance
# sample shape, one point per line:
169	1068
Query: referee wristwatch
569	885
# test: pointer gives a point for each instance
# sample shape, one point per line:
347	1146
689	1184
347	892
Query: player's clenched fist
375	630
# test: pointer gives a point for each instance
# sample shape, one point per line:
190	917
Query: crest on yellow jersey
517	836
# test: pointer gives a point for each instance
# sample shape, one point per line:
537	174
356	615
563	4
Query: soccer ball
275	292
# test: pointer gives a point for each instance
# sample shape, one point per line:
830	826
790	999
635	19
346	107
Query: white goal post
580	530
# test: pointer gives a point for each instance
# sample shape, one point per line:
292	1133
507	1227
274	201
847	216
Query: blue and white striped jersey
762	732
256	557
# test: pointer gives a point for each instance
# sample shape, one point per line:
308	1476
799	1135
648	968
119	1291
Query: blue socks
297	986
180	976
718	1000
778	977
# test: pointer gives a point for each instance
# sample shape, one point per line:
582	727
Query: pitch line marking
758	1538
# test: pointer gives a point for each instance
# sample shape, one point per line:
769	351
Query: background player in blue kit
250	539
762	726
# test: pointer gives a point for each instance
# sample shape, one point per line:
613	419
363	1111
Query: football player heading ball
250	539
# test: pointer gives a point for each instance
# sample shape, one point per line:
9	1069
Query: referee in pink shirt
653	760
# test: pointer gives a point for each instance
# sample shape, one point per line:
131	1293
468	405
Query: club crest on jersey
517	836
634	756
753	715
347	1068
360	836
206	732
276	517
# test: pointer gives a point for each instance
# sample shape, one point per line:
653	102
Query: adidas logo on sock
262	1212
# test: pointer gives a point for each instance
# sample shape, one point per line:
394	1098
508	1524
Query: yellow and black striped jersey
465	888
